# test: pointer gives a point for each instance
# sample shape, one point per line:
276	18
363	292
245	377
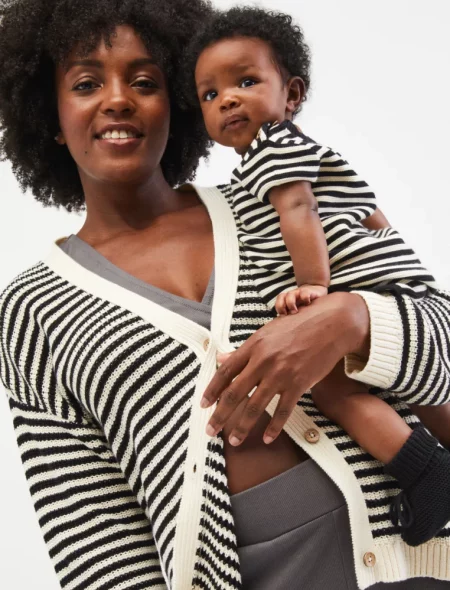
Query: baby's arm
376	221
303	235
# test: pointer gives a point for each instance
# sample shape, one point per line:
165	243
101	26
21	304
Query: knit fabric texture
105	386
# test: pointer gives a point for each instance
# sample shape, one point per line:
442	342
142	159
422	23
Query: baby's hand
289	302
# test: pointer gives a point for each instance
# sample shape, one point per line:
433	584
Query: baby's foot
287	303
422	469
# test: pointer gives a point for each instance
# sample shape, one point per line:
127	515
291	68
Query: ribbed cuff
386	343
412	459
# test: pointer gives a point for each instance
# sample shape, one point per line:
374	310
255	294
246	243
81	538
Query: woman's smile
119	137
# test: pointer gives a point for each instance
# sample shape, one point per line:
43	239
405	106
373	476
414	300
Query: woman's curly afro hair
35	35
276	28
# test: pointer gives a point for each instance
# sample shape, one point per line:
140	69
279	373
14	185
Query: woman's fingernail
210	430
234	441
204	403
268	439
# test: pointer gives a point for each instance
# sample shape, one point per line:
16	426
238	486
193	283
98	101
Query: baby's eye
247	83
210	95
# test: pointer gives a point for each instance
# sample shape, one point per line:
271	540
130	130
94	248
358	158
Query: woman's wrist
378	364
361	318
353	322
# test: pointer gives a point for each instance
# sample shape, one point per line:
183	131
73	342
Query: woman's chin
121	174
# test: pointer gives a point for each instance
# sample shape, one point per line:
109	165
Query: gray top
92	260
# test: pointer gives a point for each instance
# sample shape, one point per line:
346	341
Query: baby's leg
436	419
413	457
371	422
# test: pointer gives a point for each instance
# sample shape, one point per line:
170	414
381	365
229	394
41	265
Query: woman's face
114	111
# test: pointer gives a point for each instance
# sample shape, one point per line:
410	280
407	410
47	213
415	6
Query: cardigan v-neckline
204	343
226	266
93	260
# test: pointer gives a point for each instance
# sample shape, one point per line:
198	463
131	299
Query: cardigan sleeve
96	531
410	347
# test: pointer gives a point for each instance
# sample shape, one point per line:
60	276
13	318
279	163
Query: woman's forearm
409	347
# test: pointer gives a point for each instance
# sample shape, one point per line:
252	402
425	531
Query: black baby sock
422	469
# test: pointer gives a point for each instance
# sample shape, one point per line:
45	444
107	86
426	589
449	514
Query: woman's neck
116	209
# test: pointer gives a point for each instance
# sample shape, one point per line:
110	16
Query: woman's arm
96	532
390	341
410	347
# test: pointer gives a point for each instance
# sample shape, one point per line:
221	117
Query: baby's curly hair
35	35
285	38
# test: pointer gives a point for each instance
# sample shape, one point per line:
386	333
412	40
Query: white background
380	96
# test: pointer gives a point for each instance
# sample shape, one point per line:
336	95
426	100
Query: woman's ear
296	92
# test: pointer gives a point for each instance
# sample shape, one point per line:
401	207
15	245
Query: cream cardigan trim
204	343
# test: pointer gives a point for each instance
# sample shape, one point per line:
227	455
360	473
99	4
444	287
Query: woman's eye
247	83
86	85
210	95
145	83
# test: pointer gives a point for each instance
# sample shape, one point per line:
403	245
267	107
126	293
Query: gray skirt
293	532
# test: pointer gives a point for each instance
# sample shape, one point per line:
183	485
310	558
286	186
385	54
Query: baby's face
240	87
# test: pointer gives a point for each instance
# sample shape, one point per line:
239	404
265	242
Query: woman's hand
287	356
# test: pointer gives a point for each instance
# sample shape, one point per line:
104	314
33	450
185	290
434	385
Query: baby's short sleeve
278	155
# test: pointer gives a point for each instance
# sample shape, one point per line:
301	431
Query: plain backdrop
380	96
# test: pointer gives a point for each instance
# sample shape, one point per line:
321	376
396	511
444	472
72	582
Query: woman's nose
118	100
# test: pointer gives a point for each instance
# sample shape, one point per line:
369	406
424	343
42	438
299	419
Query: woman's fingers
226	372
285	407
230	399
251	413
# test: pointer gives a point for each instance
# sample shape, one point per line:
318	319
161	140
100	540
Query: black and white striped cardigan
104	387
359	258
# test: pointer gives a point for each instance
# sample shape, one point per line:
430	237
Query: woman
107	347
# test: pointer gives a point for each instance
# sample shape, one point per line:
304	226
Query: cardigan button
312	436
206	344
369	559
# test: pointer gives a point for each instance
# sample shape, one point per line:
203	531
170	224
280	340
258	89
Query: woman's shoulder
17	293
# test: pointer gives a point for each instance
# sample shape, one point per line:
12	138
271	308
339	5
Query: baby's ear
296	93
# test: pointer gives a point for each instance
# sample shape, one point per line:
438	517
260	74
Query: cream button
312	436
206	344
369	559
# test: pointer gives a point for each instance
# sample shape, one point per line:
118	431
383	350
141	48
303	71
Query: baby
304	212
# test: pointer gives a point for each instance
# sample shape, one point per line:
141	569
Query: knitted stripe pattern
101	401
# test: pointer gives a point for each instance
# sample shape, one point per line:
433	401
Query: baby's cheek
210	123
